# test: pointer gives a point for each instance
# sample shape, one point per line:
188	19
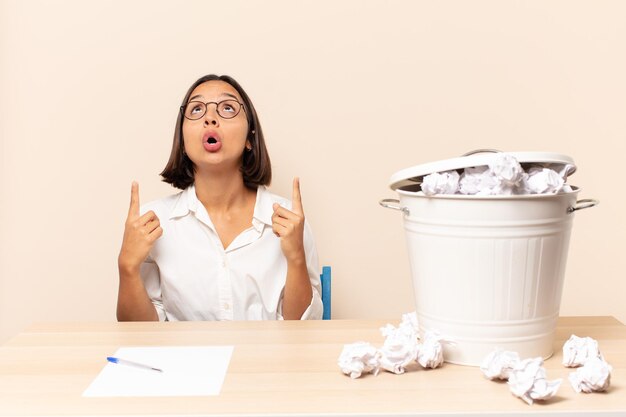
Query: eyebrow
223	94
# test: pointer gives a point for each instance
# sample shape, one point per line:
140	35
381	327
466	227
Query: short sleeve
152	282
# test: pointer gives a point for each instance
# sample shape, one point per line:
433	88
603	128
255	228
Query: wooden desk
283	368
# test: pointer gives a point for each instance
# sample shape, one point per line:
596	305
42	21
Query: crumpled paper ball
593	376
504	175
441	183
499	364
399	349
577	350
358	358
430	351
527	380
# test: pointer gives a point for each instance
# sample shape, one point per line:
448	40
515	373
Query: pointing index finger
296	197
133	210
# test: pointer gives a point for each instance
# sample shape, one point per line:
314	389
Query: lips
211	141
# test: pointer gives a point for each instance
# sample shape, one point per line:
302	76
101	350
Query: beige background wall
348	93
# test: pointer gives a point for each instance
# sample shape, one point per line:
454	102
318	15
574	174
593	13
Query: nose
210	117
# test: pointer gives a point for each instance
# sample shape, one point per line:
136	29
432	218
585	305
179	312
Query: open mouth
212	142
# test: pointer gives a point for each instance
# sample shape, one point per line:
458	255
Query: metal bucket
488	271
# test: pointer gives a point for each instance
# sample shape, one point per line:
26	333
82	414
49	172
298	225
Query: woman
224	248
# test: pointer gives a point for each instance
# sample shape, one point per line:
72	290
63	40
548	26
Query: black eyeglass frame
217	106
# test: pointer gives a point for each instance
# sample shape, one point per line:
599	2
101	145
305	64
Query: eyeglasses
226	109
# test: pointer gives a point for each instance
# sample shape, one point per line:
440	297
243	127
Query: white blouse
190	276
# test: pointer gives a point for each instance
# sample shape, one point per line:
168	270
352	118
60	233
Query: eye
229	107
194	110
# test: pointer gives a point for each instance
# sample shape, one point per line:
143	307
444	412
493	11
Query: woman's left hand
289	226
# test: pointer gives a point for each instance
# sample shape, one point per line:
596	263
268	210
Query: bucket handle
583	204
475	151
394	204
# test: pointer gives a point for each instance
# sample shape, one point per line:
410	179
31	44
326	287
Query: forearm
133	302
298	291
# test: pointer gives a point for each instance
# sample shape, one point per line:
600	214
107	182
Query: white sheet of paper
187	371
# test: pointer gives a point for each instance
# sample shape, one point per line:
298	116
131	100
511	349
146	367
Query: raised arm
289	226
140	233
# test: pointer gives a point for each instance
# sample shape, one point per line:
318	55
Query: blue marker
133	364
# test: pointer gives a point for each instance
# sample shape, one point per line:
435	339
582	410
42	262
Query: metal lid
414	175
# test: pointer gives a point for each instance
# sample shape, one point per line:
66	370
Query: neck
220	192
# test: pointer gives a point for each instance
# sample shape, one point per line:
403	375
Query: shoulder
269	198
163	207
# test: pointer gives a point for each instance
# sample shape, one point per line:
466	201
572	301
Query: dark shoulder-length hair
255	165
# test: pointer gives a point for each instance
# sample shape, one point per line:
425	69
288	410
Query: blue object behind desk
325	279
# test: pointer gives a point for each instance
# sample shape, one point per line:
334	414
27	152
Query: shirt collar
263	210
187	201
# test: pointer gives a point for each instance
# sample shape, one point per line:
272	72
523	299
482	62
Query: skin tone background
347	93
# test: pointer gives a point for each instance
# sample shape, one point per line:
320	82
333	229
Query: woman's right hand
140	233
